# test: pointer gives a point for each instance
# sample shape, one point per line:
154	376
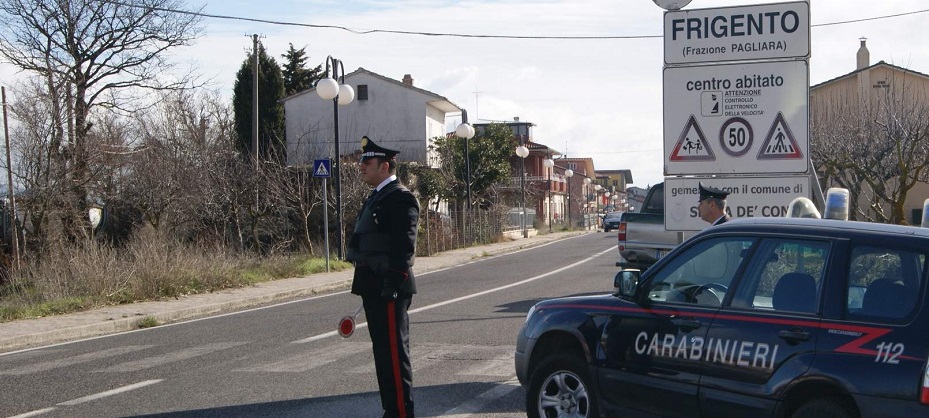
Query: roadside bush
151	265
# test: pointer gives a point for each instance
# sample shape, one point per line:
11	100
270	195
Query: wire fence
440	232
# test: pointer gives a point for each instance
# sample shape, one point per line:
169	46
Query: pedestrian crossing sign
322	168
780	143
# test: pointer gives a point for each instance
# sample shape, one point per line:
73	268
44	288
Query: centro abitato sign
736	104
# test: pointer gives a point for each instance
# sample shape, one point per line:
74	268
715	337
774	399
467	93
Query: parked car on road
611	221
642	239
759	317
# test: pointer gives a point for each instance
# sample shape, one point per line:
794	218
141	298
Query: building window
362	92
572	166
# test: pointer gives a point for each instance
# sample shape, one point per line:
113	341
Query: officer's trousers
389	327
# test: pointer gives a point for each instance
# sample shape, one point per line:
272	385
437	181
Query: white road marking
69	361
471	296
181	355
110	392
33	413
309	360
501	365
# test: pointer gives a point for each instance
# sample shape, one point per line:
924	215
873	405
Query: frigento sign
765	31
748	197
738	118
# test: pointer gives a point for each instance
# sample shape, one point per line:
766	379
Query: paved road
284	360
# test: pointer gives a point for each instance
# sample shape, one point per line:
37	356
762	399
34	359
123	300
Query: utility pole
255	102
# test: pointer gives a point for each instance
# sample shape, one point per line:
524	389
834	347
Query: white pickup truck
642	235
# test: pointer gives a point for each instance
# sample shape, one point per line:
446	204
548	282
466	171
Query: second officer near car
382	247
712	205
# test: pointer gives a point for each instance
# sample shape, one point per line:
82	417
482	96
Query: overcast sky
588	98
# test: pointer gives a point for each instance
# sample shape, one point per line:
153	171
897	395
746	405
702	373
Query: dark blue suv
759	317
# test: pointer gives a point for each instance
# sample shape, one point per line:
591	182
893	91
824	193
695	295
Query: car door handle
794	335
687	324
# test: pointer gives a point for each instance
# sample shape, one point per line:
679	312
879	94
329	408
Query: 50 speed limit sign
736	118
736	137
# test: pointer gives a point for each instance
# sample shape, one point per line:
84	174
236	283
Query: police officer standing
712	205
382	247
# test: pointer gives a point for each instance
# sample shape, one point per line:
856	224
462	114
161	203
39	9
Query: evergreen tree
296	76
271	135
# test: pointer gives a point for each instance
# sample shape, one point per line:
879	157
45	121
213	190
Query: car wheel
560	387
822	408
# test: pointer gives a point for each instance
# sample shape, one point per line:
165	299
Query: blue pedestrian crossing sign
322	168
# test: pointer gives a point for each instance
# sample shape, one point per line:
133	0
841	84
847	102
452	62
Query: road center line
33	413
111	392
471	296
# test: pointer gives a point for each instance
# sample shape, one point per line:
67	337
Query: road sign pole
323	169
326	221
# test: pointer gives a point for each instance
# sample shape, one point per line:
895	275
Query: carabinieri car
759	317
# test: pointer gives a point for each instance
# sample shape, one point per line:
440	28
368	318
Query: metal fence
459	229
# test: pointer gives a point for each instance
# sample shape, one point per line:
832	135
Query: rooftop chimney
863	56
408	80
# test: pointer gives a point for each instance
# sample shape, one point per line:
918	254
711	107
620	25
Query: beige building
867	89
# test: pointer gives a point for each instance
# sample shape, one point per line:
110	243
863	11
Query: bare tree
91	54
878	148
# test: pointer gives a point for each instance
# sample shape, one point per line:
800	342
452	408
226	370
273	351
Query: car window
883	283
784	275
702	273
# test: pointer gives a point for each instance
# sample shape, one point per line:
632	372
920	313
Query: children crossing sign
715	116
322	168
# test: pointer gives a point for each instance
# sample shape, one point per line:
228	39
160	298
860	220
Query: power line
465	35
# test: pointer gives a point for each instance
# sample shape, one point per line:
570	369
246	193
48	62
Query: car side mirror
626	282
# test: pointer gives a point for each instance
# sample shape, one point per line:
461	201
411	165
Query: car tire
561	387
823	408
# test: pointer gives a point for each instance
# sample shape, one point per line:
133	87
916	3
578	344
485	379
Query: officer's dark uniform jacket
383	244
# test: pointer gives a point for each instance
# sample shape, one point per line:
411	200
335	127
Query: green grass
318	265
169	281
23	309
148	322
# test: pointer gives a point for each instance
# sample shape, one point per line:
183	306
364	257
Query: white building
394	114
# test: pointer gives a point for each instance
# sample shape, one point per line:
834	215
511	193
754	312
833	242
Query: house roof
878	64
587	163
438	101
535	146
626	174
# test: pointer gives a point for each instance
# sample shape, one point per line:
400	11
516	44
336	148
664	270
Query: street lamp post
597	189
466	131
568	174
522	152
606	204
586	198
549	163
328	88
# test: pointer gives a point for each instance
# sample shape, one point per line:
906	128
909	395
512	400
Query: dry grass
152	266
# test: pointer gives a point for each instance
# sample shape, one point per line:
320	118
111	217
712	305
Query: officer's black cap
707	192
371	150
